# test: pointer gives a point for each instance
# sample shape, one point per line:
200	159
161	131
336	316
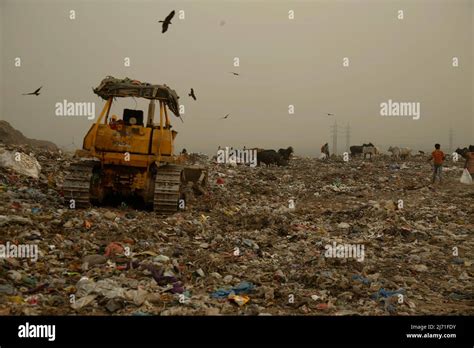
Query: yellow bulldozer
132	158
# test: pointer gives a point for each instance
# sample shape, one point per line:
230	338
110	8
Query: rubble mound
11	136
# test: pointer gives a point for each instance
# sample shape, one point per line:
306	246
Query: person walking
438	158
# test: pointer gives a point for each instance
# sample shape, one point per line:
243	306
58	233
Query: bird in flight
192	94
236	74
223	118
166	22
35	92
330	114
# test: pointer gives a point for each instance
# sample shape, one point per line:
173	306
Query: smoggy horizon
310	57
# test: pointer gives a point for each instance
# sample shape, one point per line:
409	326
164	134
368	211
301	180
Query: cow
405	152
395	151
398	152
359	149
369	150
270	157
286	153
356	150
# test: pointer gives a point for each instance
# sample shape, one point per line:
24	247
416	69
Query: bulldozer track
77	184
167	189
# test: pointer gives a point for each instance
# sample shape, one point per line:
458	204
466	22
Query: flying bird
35	92
236	74
166	22
192	94
330	114
223	118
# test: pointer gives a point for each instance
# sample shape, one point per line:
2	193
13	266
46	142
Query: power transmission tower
334	138
450	140
348	137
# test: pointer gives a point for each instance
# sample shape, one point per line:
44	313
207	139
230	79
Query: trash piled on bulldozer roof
314	237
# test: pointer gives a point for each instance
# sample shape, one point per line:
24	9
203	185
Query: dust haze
283	62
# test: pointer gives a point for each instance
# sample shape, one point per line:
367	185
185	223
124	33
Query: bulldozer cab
133	117
135	133
130	118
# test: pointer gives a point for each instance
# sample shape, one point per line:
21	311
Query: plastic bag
20	163
466	177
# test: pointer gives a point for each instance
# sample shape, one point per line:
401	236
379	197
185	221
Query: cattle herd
268	157
282	156
396	152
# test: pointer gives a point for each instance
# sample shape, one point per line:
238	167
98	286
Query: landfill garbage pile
12	136
20	162
317	237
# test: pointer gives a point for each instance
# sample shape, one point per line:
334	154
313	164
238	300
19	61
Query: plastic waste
466	177
242	288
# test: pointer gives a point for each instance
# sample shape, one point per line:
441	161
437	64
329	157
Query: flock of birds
164	28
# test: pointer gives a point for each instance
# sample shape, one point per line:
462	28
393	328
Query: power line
334	138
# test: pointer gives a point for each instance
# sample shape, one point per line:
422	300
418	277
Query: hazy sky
282	62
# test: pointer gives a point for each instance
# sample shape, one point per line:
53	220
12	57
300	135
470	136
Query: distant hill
11	136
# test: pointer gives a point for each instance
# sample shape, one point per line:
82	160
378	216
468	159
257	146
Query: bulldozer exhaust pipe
151	113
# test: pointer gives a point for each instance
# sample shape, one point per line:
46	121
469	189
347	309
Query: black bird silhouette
330	114
166	22
192	94
236	74
34	93
223	118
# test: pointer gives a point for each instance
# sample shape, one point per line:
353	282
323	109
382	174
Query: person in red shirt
438	158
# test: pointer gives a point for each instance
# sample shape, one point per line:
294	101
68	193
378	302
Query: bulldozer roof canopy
112	87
